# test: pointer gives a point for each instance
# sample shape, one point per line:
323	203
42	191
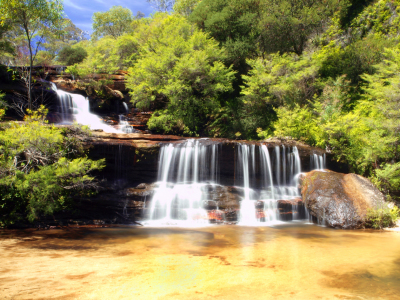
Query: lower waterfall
189	190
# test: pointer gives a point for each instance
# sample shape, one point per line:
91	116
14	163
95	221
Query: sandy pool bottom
293	261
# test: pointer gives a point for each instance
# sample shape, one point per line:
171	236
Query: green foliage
163	122
114	22
68	35
356	59
71	55
34	18
44	58
101	58
40	169
382	217
354	8
387	178
185	7
299	123
382	17
287	25
233	24
180	67
6	47
281	79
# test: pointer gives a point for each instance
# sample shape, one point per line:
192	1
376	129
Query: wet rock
225	197
291	209
339	200
142	186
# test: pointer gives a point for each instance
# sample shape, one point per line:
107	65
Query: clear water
293	261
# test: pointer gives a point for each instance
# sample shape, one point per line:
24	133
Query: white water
268	191
185	171
317	162
189	170
75	107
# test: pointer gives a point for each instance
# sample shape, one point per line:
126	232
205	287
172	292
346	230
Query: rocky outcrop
339	200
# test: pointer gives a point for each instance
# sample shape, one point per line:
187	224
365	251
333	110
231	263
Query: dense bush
41	169
382	217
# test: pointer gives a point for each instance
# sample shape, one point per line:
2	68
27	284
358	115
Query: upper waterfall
75	107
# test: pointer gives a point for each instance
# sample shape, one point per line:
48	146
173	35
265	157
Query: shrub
42	169
383	217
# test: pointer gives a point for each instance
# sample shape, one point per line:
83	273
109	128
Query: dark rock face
132	168
289	209
339	200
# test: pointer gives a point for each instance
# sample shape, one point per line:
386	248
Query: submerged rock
339	200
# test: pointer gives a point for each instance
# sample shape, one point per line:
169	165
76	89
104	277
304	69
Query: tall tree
34	17
287	25
68	35
162	5
114	22
185	7
233	24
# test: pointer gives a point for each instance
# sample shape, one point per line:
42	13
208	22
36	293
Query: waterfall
260	201
75	107
126	107
247	206
185	171
188	180
317	162
124	125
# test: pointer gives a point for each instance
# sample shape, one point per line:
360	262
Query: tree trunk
30	78
30	67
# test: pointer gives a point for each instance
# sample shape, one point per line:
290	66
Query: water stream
75	108
188	184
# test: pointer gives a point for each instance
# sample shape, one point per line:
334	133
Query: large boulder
339	200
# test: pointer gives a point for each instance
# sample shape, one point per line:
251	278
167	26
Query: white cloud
70	3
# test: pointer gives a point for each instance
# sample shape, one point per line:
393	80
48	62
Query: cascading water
317	162
188	180
124	125
75	107
278	182
185	171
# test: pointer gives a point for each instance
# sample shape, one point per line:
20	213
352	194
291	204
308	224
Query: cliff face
133	158
132	162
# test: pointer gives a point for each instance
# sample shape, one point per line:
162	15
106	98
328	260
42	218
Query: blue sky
80	11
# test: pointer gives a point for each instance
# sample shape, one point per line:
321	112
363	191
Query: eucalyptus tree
162	5
179	68
185	7
6	47
34	18
287	25
114	22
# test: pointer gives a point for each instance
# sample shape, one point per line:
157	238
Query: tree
102	58
185	7
287	25
233	23
114	22
6	47
34	17
71	55
162	5
179	67
68	35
